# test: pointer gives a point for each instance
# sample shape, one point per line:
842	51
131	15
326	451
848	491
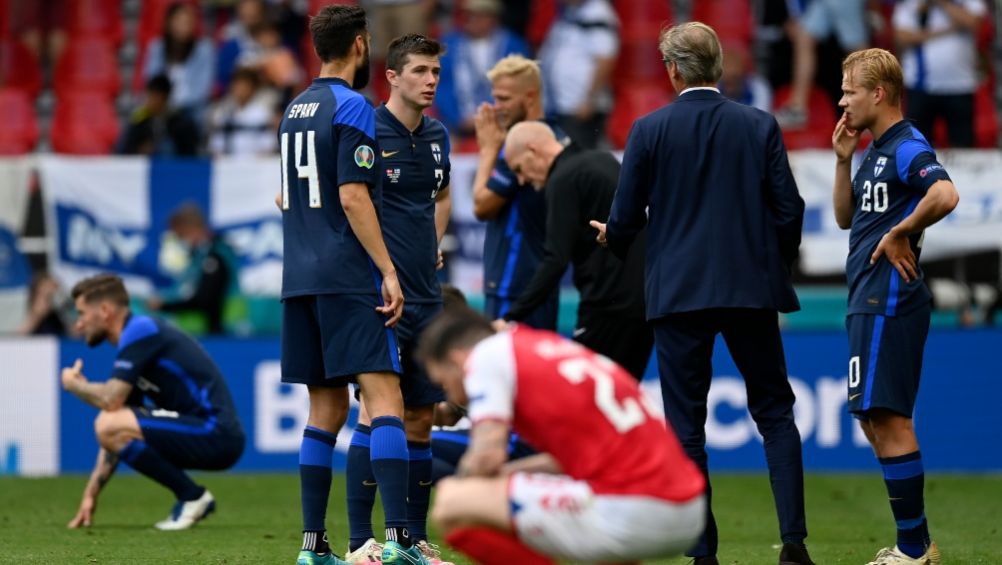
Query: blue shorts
191	442
885	360
328	339
416	387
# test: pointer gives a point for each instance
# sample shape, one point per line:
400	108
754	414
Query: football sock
315	541
905	480
388	455
419	487
315	455
361	487
485	545
147	461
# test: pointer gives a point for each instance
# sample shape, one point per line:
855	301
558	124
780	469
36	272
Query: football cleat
431	553
370	552
185	514
310	558
395	554
894	556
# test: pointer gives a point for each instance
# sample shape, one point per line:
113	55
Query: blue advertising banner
957	415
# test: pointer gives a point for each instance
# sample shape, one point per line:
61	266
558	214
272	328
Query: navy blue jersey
173	372
415	167
513	244
895	174
327	139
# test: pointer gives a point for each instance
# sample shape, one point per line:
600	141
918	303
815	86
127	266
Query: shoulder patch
365	157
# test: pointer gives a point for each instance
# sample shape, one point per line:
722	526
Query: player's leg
361	492
474	514
684	347
753	338
304	348
626	341
888	352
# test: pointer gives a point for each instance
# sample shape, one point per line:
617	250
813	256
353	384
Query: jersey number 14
307	171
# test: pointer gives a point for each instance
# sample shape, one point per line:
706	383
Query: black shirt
580	188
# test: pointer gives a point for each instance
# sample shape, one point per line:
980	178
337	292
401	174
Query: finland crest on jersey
879	166
436	152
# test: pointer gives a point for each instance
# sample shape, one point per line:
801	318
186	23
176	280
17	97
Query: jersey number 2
623	415
307	171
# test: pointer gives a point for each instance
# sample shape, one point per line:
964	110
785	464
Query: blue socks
361	489
389	458
315	454
147	461
419	488
905	480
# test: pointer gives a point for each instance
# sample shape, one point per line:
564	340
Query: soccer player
340	291
898	191
415	212
514	212
165	408
610	483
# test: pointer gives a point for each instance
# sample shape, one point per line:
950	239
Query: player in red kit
610	483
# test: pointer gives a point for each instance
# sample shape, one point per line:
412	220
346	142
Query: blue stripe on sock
909	524
388	440
324	434
314	452
132	450
361	439
451	437
906	470
419	454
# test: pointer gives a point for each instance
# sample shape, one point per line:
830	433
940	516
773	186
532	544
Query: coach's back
724	212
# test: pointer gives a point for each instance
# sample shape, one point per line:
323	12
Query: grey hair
695	48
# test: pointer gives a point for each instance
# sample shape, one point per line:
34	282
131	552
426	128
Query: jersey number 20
307	171
874	197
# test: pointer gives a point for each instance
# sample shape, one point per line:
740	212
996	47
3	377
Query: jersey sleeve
502	180
355	128
133	360
490	379
446	160
917	166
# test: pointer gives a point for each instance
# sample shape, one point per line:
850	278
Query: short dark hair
160	84
101	287
401	48
459	327
452	297
334	30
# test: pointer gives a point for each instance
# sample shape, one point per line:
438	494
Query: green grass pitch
258	520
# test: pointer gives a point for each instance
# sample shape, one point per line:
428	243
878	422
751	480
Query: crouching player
164	409
610	482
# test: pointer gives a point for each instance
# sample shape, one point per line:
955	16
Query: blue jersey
513	244
327	139
415	167
172	371
895	174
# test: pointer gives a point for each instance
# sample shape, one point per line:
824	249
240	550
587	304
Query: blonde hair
695	49
517	66
870	68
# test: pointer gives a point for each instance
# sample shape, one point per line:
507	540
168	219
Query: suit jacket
724	211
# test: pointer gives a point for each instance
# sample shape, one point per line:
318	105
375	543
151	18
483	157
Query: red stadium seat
641	24
20	128
84	124
731	19
88	64
986	121
817	134
540	19
95	18
19	68
633	102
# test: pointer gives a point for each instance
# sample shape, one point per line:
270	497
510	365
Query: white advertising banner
29	407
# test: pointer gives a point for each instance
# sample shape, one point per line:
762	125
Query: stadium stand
88	64
19	133
85	123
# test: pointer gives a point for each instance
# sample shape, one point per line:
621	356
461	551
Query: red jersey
582	409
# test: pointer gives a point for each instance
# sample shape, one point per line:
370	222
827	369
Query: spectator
471	52
211	274
577	59
741	83
156	130
184	58
238	40
940	63
276	62
243	122
846	20
43	308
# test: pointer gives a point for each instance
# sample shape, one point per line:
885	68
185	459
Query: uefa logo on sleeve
365	157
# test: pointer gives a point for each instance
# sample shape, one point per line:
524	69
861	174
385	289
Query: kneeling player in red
611	482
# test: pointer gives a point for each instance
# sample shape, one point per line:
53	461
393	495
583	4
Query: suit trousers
684	343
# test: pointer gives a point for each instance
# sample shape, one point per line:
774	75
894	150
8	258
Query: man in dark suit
712	180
